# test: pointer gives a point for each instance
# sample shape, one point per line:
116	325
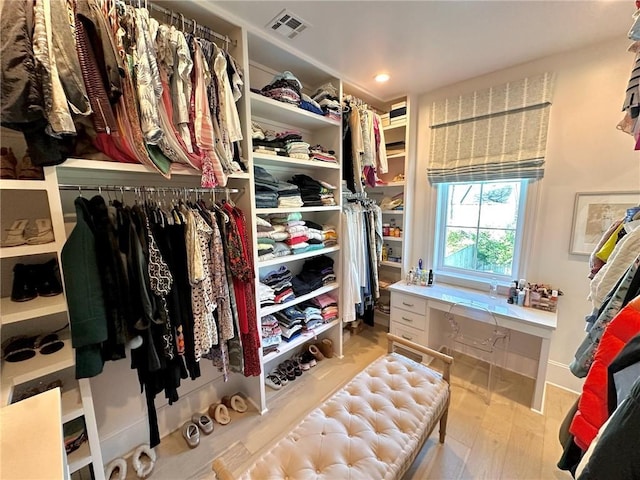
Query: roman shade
493	134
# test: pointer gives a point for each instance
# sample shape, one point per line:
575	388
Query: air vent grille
288	24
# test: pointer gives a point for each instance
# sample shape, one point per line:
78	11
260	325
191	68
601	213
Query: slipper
191	434
203	421
220	413
43	233
15	234
315	351
116	469
272	381
144	459
235	402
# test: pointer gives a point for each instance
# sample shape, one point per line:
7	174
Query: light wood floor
503	440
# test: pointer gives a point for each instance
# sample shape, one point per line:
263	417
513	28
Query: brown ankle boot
8	163
28	171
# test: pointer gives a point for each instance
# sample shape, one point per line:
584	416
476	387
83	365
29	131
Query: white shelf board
22	185
71	405
26	250
392	239
391	264
277	160
269	211
286	347
11	312
394	125
80	458
291	258
303	298
396	155
20	372
390	184
268	108
393	212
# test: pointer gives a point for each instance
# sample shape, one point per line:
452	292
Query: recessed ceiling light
382	77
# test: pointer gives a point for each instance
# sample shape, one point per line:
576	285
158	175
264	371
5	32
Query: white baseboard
558	374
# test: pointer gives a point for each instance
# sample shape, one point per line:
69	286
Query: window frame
477	279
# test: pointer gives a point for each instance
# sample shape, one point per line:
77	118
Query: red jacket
592	407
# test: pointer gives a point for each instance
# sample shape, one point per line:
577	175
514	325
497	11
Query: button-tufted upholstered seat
370	429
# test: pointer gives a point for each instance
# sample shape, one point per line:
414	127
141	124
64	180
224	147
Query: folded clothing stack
265	248
266	188
284	87
291	322
310	105
297	236
316	272
321	154
315	234
271	332
329	235
289	196
266	295
315	193
328	306
327	97
280	281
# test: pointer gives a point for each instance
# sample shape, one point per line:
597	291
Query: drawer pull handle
407	304
407	319
407	337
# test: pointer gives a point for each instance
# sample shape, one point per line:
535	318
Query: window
479	228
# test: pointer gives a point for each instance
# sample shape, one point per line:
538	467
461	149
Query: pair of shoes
143	461
41	233
21	348
191	430
321	349
307	360
29	281
220	413
235	402
11	169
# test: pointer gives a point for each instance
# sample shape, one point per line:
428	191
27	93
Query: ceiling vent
288	24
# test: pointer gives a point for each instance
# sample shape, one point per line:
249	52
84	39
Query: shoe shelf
390	184
391	264
269	211
22	185
11	312
392	239
268	108
79	458
393	212
396	155
278	160
300	256
15	373
286	347
25	250
394	126
303	298
71	405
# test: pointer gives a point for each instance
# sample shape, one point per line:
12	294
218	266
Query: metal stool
485	345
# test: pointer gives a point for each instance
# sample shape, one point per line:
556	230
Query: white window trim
524	241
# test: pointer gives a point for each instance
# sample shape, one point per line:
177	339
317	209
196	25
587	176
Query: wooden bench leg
443	423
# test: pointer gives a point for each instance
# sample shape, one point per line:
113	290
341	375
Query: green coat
87	313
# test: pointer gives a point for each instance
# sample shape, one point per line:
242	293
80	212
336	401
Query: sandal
235	402
116	469
282	375
144	459
44	232
273	381
220	413
203	422
15	235
191	434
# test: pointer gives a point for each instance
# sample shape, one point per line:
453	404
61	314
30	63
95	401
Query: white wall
585	153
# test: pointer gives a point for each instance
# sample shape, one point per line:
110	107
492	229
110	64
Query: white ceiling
428	44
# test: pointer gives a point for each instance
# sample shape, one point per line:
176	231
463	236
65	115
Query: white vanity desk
411	306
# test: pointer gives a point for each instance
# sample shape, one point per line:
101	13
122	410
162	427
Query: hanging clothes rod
192	23
122	188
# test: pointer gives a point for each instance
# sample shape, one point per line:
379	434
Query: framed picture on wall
594	213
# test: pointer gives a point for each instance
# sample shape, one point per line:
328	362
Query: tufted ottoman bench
371	429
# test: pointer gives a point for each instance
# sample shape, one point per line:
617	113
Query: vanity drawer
408	333
410	319
409	303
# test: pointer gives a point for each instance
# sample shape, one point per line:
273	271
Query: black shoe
24	286
47	277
